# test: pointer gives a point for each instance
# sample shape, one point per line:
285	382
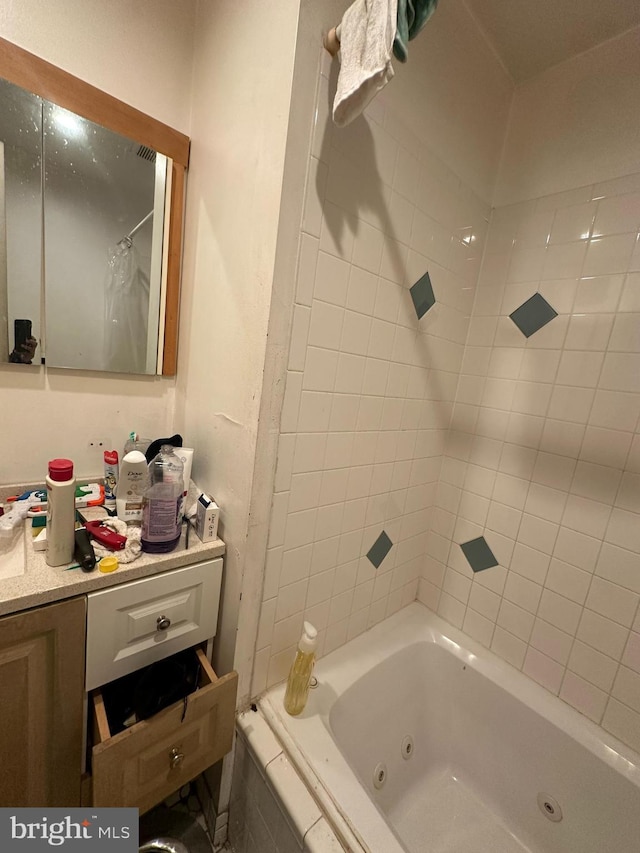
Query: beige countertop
42	584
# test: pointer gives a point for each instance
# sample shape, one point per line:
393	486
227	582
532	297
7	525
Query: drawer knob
163	623
176	758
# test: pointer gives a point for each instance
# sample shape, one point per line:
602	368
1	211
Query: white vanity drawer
137	623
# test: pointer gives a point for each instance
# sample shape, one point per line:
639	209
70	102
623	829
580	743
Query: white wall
574	125
455	94
241	95
141	53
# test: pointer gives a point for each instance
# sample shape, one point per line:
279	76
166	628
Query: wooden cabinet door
41	705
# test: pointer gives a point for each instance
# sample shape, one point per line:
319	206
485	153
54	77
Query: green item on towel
412	16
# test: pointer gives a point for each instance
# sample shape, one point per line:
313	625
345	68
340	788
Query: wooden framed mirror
61	91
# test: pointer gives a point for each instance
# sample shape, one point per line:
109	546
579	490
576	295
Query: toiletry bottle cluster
151	494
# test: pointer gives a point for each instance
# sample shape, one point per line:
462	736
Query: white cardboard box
207	515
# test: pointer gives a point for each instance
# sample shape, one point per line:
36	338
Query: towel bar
332	41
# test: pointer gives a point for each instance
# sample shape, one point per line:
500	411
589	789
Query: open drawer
142	765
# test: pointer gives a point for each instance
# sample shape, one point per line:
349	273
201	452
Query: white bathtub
487	742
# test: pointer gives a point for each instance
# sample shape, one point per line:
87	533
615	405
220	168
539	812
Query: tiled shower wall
543	458
369	390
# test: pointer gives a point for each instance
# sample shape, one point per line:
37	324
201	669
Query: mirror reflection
20	224
99	200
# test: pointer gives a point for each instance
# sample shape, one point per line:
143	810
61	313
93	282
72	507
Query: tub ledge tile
259	737
321	839
298	805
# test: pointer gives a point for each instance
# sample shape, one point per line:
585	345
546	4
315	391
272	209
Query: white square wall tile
299	336
336	236
284	465
478	627
631	657
589	332
451	609
559	611
624	530
623	723
627	688
570	404
522	592
577	548
615	410
320	369
545	503
583	696
562	437
617	215
564	260
537	533
621	372
356	330
484	601
597	482
596	667
605	446
306	273
619	566
515	620
612	601
598	294
350	373
305	491
314	195
630	299
508	647
543	669
554	471
361	293
291	403
315	409
573	223
551	641
586	516
367	247
607	255
602	634
326	325
625	336
529	562
291	600
580	369
567	580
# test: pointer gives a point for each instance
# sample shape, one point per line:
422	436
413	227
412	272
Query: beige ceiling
532	35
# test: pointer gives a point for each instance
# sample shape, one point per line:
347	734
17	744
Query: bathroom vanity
65	635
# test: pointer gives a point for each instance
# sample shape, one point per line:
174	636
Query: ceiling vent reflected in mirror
146	153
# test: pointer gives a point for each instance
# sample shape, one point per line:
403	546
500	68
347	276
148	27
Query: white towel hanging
366	36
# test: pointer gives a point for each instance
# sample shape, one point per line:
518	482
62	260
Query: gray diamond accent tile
533	314
379	549
422	295
478	554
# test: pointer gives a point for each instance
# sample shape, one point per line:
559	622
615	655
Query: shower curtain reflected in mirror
126	310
